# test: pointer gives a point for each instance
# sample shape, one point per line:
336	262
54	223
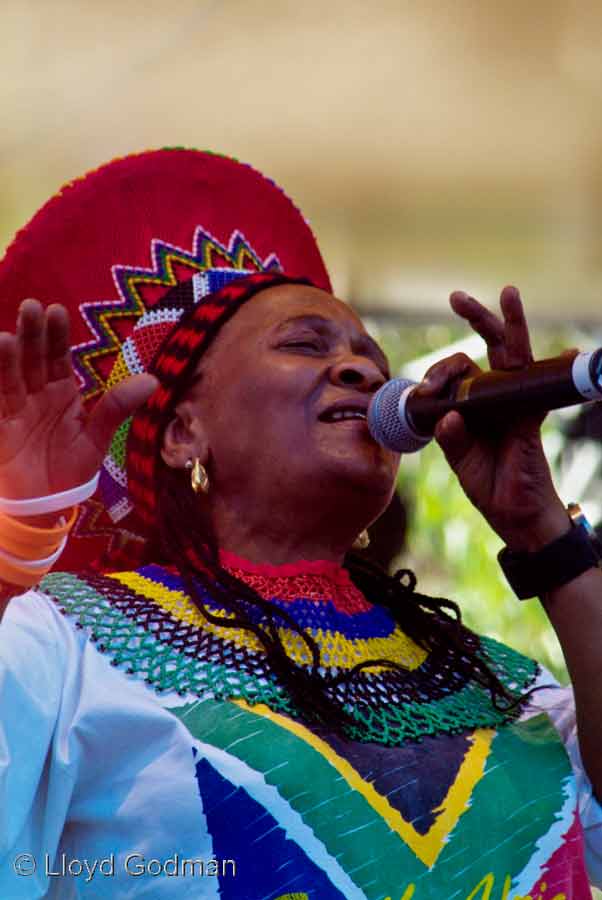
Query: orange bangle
16	575
29	541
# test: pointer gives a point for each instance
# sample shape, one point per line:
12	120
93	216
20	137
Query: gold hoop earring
362	541
199	479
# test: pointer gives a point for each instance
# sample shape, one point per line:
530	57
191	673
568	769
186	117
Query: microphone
402	420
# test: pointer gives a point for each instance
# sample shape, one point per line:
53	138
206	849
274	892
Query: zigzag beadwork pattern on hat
142	296
112	245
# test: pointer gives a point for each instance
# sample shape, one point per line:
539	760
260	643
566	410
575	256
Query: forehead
276	306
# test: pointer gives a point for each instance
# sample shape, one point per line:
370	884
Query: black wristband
536	574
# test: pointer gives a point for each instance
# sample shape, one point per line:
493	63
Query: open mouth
343	414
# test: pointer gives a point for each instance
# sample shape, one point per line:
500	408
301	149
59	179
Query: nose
358	372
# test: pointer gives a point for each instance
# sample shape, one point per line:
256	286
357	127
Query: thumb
116	405
454	438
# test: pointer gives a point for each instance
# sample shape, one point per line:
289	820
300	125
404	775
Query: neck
285	549
277	542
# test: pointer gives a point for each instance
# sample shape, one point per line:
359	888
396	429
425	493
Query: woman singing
204	691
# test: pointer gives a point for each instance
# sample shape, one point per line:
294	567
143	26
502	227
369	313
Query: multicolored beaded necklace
148	626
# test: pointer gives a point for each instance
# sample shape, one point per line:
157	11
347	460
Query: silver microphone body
402	420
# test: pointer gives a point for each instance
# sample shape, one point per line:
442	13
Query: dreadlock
435	624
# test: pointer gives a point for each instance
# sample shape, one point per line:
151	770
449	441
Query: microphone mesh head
388	426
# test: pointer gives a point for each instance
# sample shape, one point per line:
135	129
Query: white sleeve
34	791
559	703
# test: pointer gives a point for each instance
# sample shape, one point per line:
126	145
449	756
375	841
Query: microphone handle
492	399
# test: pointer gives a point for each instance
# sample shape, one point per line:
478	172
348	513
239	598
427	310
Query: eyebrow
323	324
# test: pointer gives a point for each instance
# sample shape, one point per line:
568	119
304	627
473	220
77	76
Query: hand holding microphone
496	450
403	419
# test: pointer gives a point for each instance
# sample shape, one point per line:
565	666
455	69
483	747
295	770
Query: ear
184	438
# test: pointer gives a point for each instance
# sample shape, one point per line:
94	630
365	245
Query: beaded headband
131	249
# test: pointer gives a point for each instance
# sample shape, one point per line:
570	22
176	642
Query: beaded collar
319	581
148	626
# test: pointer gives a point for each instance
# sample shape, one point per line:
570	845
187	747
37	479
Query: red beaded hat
150	253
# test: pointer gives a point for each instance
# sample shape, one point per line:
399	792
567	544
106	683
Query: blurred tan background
432	145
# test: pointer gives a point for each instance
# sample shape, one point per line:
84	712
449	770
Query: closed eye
306	344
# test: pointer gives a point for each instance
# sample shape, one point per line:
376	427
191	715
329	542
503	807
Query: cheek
252	413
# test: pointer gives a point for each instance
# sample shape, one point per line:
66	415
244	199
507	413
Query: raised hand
505	475
48	442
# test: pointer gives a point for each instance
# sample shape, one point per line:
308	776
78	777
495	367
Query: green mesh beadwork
148	655
119	442
139	637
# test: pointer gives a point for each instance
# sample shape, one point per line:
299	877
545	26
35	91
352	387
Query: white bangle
34	564
38	506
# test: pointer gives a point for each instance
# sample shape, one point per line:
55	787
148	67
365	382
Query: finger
58	351
480	319
13	395
445	371
454	438
116	405
31	343
518	341
508	344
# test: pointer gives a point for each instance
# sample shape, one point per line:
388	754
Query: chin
376	479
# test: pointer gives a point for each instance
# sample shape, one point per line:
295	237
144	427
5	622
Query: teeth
347	414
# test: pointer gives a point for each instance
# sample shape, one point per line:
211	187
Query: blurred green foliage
448	545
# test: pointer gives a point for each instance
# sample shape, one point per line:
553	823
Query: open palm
48	442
